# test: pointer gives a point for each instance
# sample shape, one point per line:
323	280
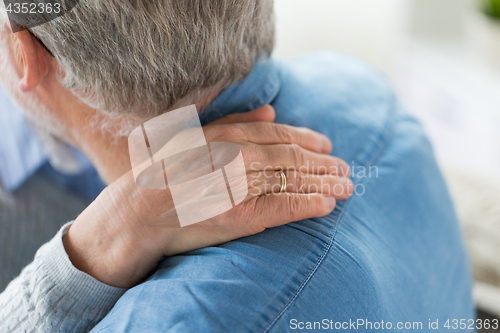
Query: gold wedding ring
283	182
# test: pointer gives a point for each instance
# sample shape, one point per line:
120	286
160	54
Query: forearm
51	294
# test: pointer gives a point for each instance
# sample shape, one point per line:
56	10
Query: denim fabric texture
21	152
22	155
394	253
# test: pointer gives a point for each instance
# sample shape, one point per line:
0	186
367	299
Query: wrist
108	251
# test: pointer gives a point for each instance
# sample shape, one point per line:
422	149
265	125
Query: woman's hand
123	234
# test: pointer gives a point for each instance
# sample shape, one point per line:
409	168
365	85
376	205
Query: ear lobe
34	61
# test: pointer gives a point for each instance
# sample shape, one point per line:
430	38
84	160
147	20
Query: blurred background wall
433	51
365	28
443	58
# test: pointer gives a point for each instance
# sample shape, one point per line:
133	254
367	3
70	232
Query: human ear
32	59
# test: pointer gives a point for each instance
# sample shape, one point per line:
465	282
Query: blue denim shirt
392	254
22	154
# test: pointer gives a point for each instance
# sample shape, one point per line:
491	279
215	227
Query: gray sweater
51	295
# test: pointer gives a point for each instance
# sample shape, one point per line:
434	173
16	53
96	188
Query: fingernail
348	185
331	202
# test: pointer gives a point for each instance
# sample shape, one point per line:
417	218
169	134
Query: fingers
278	209
267	182
263	133
272	134
263	114
294	157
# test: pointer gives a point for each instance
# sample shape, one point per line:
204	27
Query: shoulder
340	96
337	70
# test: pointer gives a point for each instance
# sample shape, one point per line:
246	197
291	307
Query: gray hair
141	58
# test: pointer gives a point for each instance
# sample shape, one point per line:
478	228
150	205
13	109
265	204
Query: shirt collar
259	88
21	152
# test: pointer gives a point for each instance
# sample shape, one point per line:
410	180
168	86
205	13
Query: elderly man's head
130	60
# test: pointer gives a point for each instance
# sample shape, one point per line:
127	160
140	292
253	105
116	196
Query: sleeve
51	295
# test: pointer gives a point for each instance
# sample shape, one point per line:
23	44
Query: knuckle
223	133
301	182
295	205
252	155
284	133
259	219
254	178
298	155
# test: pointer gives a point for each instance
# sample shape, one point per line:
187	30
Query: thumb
265	113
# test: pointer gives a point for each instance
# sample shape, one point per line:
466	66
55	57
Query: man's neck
104	139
